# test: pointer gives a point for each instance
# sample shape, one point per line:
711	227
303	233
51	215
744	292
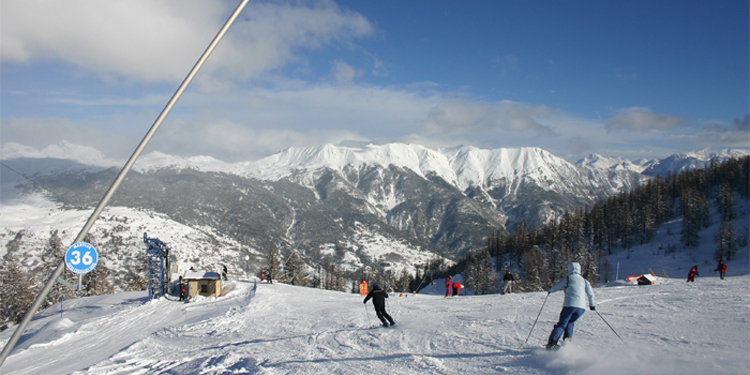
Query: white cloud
160	40
462	116
231	141
343	72
41	132
643	120
743	124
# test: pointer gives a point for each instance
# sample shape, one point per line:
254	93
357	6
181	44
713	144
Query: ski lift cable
120	177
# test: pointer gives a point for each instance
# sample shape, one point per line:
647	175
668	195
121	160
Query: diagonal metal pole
537	318
610	327
120	178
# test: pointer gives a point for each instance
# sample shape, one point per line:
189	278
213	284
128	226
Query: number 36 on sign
81	258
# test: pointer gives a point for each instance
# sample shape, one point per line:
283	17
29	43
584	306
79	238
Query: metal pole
367	312
537	318
121	177
610	327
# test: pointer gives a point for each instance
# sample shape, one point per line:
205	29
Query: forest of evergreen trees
586	235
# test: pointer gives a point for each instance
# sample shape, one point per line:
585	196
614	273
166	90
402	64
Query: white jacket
575	286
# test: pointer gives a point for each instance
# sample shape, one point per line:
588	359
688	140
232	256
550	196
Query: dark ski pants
382	315
568	317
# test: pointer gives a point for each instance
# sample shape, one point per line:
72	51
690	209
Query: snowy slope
118	234
670	328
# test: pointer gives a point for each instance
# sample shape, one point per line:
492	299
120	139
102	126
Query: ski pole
537	318
610	327
367	312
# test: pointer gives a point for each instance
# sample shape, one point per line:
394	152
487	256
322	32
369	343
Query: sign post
81	258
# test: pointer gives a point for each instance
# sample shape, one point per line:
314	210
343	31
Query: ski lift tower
158	266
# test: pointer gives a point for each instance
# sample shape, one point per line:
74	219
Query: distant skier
456	288
574	306
692	274
224	271
182	290
378	300
722	268
448	286
508	282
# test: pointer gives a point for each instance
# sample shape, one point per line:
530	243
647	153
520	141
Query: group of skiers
452	285
721	268
576	288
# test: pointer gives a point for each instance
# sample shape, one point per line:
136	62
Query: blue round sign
81	258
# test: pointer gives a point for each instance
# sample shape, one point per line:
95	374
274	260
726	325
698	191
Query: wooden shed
647	279
203	283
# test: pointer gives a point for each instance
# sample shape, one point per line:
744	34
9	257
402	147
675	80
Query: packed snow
673	327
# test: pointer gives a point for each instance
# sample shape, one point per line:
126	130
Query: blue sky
637	79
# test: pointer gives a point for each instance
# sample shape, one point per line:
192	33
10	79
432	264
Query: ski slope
669	328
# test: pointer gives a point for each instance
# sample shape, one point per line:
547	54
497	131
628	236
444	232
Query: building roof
200	275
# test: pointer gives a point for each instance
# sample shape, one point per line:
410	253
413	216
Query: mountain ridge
392	206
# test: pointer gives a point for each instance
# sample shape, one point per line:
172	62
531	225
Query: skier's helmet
374	284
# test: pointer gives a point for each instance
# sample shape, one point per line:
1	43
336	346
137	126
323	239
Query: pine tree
726	243
725	202
273	262
16	296
479	273
97	281
52	257
694	215
535	277
295	268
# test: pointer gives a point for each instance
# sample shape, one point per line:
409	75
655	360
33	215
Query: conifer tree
534	270
294	268
725	202
16	295
52	255
726	243
479	273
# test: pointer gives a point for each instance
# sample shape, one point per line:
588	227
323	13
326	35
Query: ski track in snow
671	328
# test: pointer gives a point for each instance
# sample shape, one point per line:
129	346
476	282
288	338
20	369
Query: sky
635	79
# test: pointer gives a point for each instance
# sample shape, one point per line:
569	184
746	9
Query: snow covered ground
670	328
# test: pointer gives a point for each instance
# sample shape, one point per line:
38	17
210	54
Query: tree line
540	255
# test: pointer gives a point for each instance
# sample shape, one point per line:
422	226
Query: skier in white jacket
574	306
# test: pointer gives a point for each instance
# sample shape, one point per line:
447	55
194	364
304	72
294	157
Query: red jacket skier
448	286
692	274
722	268
456	288
182	290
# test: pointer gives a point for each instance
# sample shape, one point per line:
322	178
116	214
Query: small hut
647	279
203	283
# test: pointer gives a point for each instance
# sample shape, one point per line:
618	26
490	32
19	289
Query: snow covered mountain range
391	206
673	164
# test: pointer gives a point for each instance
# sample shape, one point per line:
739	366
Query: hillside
669	328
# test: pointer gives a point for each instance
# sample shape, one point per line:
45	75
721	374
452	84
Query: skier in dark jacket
378	300
508	282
